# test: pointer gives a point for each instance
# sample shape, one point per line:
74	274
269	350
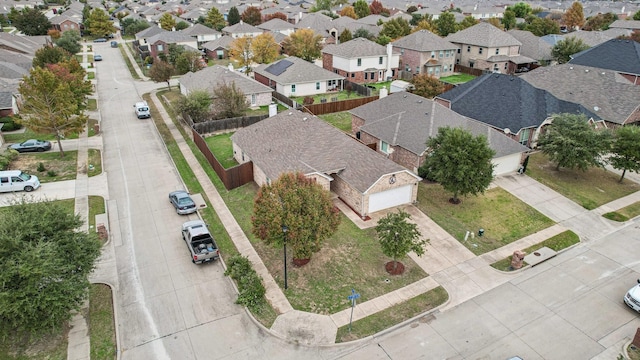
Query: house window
459	50
220	54
524	136
366	76
253	99
468	48
407	67
384	147
160	48
359	62
498	51
505	66
495	67
471	63
441	54
373	76
293	88
317	86
430	70
417	69
479	50
380	60
437	71
401	51
393	73
433	54
353	74
458	61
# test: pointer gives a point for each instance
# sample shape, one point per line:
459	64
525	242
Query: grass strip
556	243
101	323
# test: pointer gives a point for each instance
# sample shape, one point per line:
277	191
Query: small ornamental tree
563	49
161	71
197	105
240	51
300	204
626	150
427	85
167	21
345	36
348	11
252	16
459	161
304	44
229	101
70	41
397	238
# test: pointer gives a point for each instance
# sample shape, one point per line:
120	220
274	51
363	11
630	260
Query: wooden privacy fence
469	70
285	100
362	90
337	106
231	178
211	126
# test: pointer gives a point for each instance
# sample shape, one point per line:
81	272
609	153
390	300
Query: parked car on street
31	145
182	202
16	180
97	57
99	40
632	297
114	44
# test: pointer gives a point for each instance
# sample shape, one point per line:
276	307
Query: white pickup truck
200	242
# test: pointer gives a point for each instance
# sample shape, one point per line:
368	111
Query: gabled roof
626	24
423	40
222	42
591	38
302	142
276	25
373	19
604	92
199	29
23	44
618	55
208	78
508	102
483	34
317	22
149	32
407	120
170	37
293	70
532	46
358	47
345	22
241	28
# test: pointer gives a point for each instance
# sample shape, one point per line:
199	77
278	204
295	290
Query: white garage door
390	198
506	164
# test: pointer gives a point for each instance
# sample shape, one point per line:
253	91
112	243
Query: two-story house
425	53
241	30
361	61
484	46
201	33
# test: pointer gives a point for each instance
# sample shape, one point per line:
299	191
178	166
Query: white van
16	180
142	110
632	297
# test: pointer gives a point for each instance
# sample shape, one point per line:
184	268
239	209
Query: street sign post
354	295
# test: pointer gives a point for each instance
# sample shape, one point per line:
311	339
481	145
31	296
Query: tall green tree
459	161
71	72
181	25
234	16
197	104
132	27
363	33
189	60
167	22
600	22
30	21
572	143
626	150
541	27
100	25
229	101
345	36
520	9
468	22
70	41
50	55
563	49
509	20
361	8
398	236
50	105
446	24
300	204
214	19
161	71
45	265
252	16
396	28
321	5
304	44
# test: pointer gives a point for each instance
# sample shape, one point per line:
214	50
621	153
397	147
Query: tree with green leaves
574	16
361	8
229	101
45	266
234	16
50	55
426	85
300	204
495	22
30	21
71	72
383	40
189	60
600	22
132	27
215	19
50	105
563	49
264	48
252	16
345	36
636	16
626	150
70	41
197	104
363	33
541	27
304	44
446	24
520	9
459	161
100	23
161	71
467	22
571	142
167	22
321	5
509	20
398	237
396	28
181	25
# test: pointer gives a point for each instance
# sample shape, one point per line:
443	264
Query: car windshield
24	176
144	108
184	201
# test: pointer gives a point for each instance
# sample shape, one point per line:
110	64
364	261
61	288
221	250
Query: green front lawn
340	120
350	259
94	166
96	207
338	95
589	189
555	243
221	147
101	322
624	214
503	217
28	134
457	79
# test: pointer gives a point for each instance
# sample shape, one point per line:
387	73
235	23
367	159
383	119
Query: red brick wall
327	61
411	58
356	122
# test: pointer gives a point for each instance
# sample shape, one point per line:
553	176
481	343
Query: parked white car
16	180
632	297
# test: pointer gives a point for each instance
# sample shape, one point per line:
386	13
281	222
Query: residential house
218	49
159	44
423	52
319	23
400	124
344	22
201	33
601	91
298	142
510	105
621	56
257	94
240	30
484	46
483	12
67	21
630	25
361	61
277	26
293	76
533	47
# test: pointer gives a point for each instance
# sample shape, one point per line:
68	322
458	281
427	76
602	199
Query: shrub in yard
6	158
41	167
9	124
51	173
308	100
250	287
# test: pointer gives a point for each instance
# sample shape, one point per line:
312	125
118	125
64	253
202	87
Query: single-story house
293	76
363	179
400	124
256	93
